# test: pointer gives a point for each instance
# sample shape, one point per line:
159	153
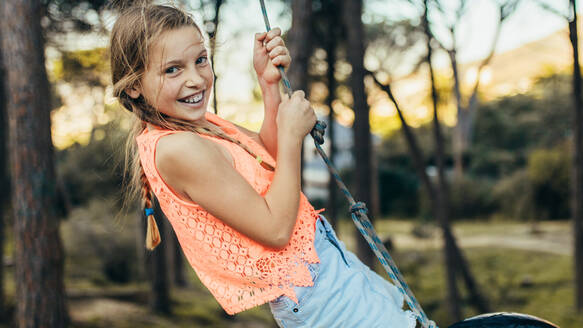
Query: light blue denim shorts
346	293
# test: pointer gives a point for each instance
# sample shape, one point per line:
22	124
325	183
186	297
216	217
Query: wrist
287	140
268	86
271	97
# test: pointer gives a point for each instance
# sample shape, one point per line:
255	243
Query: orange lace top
240	272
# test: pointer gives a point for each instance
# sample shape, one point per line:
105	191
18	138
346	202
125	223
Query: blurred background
458	122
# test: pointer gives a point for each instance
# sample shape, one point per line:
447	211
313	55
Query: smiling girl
232	195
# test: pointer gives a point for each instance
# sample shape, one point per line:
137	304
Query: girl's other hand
270	52
295	117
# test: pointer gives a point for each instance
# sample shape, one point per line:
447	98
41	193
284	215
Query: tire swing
358	213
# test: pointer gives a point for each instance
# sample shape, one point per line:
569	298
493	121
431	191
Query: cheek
170	89
209	74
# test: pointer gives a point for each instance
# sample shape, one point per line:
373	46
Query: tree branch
409	136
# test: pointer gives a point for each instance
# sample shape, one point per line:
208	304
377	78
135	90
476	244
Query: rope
358	212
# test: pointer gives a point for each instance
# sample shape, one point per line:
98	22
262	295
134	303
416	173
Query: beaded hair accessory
152	233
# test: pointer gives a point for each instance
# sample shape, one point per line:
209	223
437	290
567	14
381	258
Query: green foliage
83	66
539	191
518	162
548	173
508	129
93	170
398	191
471	198
104	245
513	195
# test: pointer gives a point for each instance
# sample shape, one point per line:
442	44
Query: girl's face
178	78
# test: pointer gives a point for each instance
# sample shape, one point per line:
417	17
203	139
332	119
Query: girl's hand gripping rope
295	118
269	53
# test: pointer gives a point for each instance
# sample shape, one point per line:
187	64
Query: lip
201	103
192	94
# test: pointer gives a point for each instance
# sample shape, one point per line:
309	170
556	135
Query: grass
514	280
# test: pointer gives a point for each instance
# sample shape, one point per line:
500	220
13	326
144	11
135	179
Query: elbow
280	239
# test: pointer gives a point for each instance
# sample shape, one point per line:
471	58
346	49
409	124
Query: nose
194	79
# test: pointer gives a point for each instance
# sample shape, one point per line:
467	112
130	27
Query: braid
146	191
152	232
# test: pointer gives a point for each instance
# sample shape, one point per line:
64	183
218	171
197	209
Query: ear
133	92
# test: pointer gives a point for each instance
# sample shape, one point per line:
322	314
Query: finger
260	36
299	93
281	61
278	51
273	33
259	40
278	41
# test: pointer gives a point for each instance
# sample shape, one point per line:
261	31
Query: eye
201	60
171	70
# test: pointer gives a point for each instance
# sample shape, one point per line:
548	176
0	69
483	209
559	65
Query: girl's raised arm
270	52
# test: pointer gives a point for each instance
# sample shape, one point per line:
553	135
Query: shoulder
184	156
184	146
173	147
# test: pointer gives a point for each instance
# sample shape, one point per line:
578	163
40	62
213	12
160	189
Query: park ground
521	267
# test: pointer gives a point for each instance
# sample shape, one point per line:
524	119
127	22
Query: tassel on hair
152	233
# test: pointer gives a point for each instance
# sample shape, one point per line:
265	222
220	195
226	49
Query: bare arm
268	131
207	177
269	53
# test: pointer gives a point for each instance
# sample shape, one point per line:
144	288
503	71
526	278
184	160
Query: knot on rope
318	132
358	207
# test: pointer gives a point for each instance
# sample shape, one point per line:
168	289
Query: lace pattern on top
240	272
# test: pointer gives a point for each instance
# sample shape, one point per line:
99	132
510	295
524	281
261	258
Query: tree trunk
466	111
352	16
462	265
458	137
213	44
299	44
453	256
174	255
140	234
157	267
442	200
331	46
4	191
577	173
178	259
40	292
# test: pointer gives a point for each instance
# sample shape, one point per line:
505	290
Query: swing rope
358	212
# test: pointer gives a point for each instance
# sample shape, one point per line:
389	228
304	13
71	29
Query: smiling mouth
194	99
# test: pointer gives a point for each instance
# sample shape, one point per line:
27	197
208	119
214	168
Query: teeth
194	99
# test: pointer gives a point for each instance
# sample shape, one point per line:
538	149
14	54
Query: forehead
173	44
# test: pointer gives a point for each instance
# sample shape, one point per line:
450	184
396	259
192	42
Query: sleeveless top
239	272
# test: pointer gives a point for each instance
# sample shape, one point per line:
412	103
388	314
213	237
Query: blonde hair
132	38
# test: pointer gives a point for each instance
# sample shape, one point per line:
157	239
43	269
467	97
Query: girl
232	195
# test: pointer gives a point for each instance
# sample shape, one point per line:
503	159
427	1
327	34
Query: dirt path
549	237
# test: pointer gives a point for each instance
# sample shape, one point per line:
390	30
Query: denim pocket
333	239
